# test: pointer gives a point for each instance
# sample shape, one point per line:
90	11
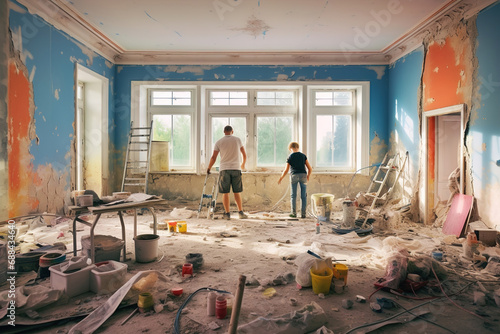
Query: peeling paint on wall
378	148
380	70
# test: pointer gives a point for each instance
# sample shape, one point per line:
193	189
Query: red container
187	269
220	307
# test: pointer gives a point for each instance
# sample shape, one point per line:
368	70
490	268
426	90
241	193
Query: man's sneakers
303	215
227	215
293	215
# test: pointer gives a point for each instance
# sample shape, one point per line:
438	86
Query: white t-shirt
229	150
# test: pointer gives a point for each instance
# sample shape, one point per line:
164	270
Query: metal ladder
211	199
136	171
378	184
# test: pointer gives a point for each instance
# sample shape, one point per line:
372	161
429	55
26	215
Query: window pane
162	127
323	98
273	136
181	140
342	98
229	98
277	98
175	129
265	141
239	125
182	98
333	141
169	98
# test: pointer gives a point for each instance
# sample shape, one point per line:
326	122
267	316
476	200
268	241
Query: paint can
145	302
146	247
182	226
220	307
172	226
187	269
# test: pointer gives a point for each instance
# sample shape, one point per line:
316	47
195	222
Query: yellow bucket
340	272
321	280
182	226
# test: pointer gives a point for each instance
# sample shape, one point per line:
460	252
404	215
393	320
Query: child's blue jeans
301	179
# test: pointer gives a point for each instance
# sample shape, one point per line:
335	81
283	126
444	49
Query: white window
339	127
172	112
265	115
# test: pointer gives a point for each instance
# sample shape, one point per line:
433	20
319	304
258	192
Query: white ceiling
255	25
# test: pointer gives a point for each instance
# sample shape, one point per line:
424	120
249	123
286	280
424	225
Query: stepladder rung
139	150
135	184
139	135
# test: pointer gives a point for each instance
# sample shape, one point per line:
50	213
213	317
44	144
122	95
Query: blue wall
404	81
127	73
485	119
50	57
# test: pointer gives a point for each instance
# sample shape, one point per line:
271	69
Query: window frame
360	124
169	110
253	111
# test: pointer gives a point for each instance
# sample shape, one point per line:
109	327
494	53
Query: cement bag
305	262
395	271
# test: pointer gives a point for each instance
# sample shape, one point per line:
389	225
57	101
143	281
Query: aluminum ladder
136	167
209	200
379	186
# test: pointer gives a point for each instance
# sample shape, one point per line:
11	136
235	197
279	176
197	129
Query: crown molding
63	17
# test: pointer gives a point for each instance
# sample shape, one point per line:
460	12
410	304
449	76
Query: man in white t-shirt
230	147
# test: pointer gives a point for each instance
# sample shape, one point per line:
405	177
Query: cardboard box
486	236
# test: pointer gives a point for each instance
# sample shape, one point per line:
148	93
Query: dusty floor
264	247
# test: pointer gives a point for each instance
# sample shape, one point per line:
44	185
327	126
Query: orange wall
19	122
444	75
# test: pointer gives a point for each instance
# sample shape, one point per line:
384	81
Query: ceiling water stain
255	27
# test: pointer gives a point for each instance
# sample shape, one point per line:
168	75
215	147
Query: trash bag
395	271
305	262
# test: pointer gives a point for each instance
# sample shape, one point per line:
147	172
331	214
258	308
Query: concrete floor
265	247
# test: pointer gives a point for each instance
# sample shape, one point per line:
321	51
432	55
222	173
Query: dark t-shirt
297	161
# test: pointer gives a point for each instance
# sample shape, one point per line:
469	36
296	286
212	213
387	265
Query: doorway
91	129
443	151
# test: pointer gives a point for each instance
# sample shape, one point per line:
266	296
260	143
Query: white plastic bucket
146	247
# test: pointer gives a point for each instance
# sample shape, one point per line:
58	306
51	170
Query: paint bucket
172	226
322	205
182	226
321	280
145	302
106	247
146	247
349	211
340	272
187	269
29	261
196	259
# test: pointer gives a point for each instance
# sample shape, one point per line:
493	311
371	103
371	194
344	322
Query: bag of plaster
305	262
395	271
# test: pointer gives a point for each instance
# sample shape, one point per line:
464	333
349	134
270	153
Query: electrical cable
460	307
387	319
282	197
423	318
179	311
353	175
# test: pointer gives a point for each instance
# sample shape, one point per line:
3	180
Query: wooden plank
458	214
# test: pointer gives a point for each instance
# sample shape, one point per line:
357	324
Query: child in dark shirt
297	163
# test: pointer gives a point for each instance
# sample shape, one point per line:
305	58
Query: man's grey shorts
228	178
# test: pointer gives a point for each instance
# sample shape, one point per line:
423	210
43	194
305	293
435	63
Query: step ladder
136	169
381	187
209	200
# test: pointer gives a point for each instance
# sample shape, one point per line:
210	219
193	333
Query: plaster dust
262	248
